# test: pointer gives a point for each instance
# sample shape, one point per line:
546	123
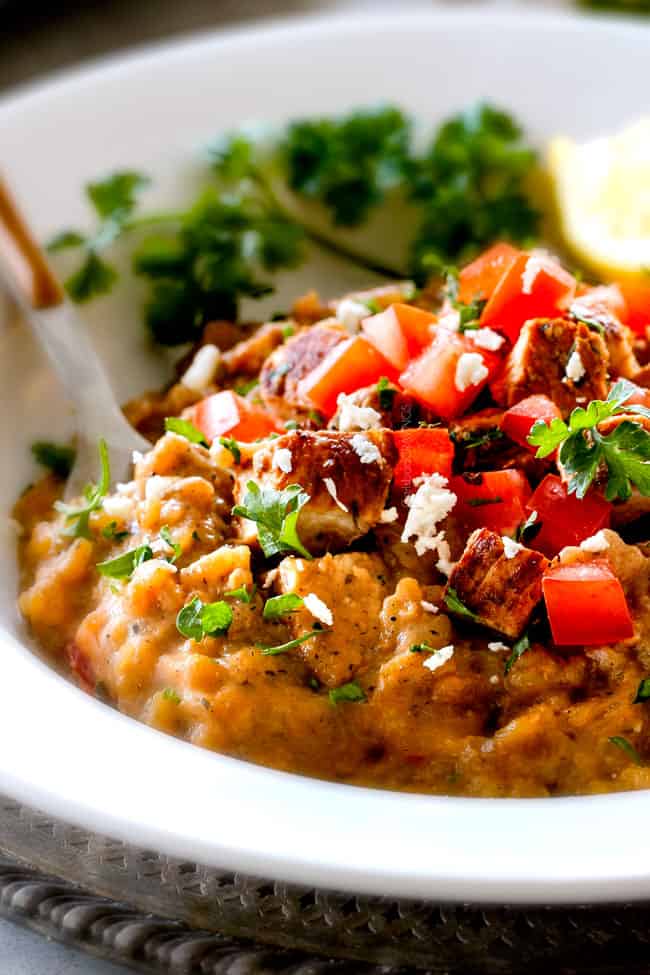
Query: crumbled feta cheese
486	338
575	368
367	452
331	489
118	506
497	647
430	504
388	516
450	320
510	547
202	370
470	371
156	486
283	460
137	456
444	563
353	417
439	658
350	314
534	264
318	608
597	543
428	607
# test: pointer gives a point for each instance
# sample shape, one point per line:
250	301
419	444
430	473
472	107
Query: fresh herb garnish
78	518
471	441
643	691
197	619
386	394
184	428
111	531
242	594
169	694
283	647
455	605
625	452
166	536
529	528
231	444
421	648
626	747
352	691
123	566
56	457
278	606
276	515
518	650
479	502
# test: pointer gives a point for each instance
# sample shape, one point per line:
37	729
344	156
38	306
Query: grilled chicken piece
501	591
346	475
290	363
396	409
352	587
247	357
619	339
540	363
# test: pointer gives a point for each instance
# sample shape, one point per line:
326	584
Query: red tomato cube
399	333
477	281
519	420
586	605
421	451
350	365
228	414
636	294
563	518
491	499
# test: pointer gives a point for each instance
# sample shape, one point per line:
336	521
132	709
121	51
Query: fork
26	273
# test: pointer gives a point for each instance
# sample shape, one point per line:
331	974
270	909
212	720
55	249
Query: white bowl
76	758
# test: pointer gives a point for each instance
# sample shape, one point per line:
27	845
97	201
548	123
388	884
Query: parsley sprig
58	458
585	451
276	515
197	619
78	518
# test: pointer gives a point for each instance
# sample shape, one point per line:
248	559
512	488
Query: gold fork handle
23	257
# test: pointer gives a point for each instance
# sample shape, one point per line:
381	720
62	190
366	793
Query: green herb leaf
231	444
351	691
529	528
283	647
422	648
479	502
518	650
123	566
197	620
386	394
643	691
169	694
56	457
78	518
626	747
282	605
111	531
64	240
454	605
242	594
115	197
184	428
276	515
95	277
166	536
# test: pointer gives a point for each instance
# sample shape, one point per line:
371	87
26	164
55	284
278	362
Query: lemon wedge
602	193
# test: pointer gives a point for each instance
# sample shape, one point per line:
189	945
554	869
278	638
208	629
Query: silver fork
54	320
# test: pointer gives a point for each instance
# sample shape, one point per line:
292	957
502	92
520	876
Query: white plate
80	760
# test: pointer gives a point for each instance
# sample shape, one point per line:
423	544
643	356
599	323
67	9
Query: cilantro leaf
386	393
422	648
455	605
123	566
64	240
231	444
58	458
166	536
518	650
169	694
115	197
276	515
278	606
643	691
197	619
626	747
111	531
242	594
95	277
283	647
352	691
78	518
184	428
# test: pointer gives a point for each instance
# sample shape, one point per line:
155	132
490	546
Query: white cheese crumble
202	370
575	368
318	608
350	314
367	452
118	506
430	504
388	516
353	417
510	547
283	460
428	607
597	543
444	563
497	647
439	658
486	338
331	489
470	371
156	486
534	264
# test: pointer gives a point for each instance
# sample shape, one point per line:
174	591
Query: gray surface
24	953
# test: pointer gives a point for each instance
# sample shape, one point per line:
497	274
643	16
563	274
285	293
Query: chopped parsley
278	606
169	694
472	441
197	619
386	394
455	605
518	650
184	428
624	453
352	691
422	648
529	528
231	444
642	691
283	647
276	515
242	594
626	747
166	536
58	458
123	566
78	518
479	502
111	531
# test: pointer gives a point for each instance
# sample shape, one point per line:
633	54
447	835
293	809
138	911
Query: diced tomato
518	421
528	290
227	414
399	333
636	292
491	499
477	281
349	366
564	518
586	605
601	302
432	377
421	451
